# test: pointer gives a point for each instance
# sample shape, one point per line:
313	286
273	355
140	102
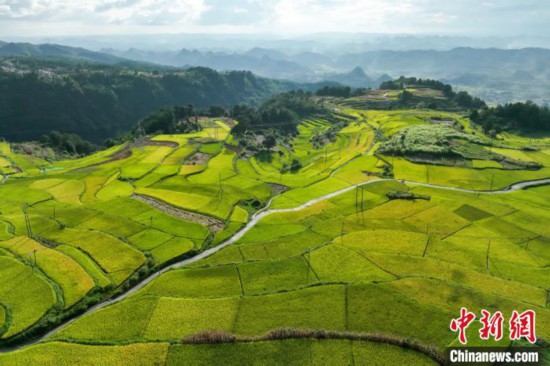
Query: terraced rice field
355	264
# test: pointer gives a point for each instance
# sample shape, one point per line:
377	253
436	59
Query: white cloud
239	10
374	16
441	18
276	16
106	11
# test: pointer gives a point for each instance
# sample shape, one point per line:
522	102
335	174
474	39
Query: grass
254	252
111	224
239	215
190	201
438	221
68	191
114	190
471	213
168	224
358	262
113	323
171	249
320	307
426	267
335	263
5	231
21	287
67	354
4	322
290	246
263	233
230	255
113	255
73	280
384	241
191	315
295	352
149	239
272	276
22	195
197	283
99	277
404	317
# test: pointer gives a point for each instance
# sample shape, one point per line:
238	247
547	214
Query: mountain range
498	75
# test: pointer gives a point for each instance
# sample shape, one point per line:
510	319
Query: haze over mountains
57	51
498	75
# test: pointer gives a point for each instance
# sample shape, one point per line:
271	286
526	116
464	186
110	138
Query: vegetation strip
213	224
217	337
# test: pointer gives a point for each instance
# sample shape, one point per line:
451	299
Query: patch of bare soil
230	121
121	154
198	158
215	225
171	144
278	188
235	149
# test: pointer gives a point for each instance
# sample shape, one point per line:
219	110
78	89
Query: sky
30	18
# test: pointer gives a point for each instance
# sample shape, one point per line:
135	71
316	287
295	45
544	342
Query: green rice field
376	263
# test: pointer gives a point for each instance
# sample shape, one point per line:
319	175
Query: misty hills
458	60
56	51
268	64
357	78
496	75
312	64
500	75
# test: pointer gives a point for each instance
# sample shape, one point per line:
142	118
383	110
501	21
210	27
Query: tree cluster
334	91
282	112
101	101
69	143
461	99
404	82
515	116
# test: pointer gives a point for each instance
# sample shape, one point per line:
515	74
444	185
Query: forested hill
59	51
97	101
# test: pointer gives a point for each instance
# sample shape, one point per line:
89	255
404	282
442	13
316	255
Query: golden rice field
361	263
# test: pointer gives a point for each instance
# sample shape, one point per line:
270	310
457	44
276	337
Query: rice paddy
74	233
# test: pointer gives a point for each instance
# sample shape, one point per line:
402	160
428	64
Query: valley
356	238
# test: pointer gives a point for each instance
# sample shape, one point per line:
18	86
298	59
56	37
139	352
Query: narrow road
513	188
255	219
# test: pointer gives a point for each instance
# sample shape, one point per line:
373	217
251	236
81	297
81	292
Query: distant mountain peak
359	72
259	52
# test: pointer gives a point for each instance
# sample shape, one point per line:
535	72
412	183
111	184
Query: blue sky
285	17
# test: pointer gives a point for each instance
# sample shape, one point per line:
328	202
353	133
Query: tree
269	142
216	111
295	166
334	91
405	97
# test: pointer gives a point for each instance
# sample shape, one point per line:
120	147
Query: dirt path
215	225
255	219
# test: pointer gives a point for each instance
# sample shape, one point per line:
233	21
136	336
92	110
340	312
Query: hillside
496	75
98	101
56	51
355	239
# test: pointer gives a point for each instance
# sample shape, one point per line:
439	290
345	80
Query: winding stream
255	219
